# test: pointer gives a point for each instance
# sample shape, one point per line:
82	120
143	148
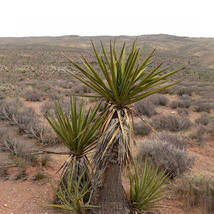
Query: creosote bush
165	155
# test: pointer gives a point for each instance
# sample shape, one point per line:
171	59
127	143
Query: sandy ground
25	197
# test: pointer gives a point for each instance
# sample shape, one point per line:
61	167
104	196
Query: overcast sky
193	18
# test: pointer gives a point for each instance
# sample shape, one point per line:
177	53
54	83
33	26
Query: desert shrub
18	148
165	155
21	174
184	103
4	174
174	104
203	120
33	96
51	108
202	107
158	99
141	129
183	112
199	135
39	176
145	107
10	108
181	104
197	191
80	88
173	139
171	123
24	117
184	90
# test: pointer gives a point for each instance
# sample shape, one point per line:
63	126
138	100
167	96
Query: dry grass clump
197	191
165	155
171	123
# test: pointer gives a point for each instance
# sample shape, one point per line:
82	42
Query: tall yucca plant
78	131
120	81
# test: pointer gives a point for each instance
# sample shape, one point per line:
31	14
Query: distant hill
194	55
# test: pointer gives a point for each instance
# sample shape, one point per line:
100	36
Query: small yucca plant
146	187
79	133
77	192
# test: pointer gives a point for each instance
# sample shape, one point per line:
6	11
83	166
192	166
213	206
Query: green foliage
77	192
78	131
123	80
146	187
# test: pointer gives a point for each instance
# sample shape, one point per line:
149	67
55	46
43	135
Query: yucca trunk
108	192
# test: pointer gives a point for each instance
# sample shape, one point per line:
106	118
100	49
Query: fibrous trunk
108	193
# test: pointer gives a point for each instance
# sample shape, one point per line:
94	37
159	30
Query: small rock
5	205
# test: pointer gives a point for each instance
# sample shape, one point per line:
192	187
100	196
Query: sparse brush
171	123
199	135
165	155
202	106
158	99
181	104
39	176
197	191
24	117
145	107
173	139
183	112
18	148
33	96
184	90
146	187
141	129
203	120
44	160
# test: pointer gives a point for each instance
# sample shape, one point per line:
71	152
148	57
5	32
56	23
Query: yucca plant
120	82
146	187
77	191
79	133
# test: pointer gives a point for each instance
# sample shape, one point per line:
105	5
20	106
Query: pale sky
194	18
